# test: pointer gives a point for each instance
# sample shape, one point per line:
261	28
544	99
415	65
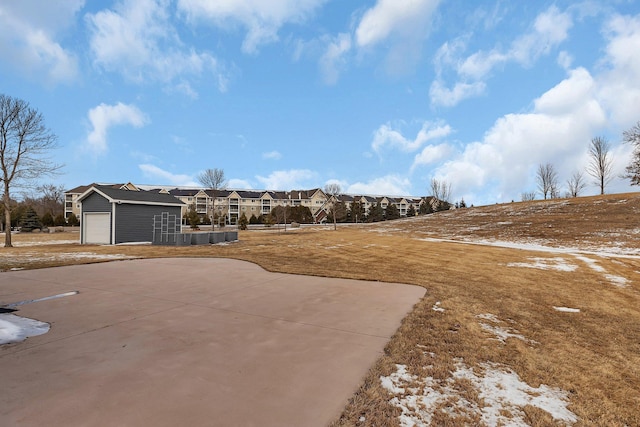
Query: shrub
73	220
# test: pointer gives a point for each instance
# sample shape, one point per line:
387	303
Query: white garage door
97	228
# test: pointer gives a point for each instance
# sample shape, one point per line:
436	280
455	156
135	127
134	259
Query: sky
380	96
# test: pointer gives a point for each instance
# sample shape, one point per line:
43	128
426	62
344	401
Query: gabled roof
116	195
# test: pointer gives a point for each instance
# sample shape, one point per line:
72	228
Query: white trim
113	224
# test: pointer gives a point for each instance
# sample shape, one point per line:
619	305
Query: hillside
606	223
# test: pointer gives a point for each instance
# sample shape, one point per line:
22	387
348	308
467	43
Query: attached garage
115	215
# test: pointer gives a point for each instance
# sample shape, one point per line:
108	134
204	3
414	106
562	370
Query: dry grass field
532	315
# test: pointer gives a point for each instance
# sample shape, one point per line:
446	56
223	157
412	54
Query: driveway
193	342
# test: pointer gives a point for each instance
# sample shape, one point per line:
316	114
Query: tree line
599	169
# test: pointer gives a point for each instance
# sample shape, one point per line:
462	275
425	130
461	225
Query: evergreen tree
30	221
356	213
253	219
73	220
192	217
376	213
59	220
47	220
391	212
411	212
242	222
425	207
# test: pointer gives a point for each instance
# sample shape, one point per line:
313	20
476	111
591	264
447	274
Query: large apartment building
229	205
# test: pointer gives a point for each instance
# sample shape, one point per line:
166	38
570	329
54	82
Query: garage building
111	215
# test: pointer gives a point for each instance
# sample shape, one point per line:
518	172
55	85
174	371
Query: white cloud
385	135
154	173
389	185
287	180
138	40
105	116
558	130
239	184
262	19
441	95
620	89
272	155
28	33
549	30
406	18
432	154
333	60
565	60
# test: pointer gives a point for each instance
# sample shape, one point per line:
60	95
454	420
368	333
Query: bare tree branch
213	179
333	190
25	143
441	192
547	179
632	136
576	184
601	165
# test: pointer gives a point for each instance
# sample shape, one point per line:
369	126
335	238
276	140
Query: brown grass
593	355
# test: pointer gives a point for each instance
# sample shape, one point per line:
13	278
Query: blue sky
380	96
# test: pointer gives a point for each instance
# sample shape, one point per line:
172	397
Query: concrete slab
168	342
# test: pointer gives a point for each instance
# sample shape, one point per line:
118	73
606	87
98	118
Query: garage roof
116	195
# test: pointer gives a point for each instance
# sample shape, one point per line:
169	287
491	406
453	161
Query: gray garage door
97	228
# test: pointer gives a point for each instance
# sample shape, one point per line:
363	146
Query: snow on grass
436	307
502	393
541	246
557	263
31	257
45	242
15	328
618	281
593	264
499	332
566	309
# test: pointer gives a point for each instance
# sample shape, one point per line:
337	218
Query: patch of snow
501	333
488	316
618	281
558	263
436	307
593	264
501	390
566	309
46	243
608	251
15	328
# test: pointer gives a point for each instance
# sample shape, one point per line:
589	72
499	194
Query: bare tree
441	192
214	180
547	179
25	143
632	136
333	191
576	184
528	196
601	165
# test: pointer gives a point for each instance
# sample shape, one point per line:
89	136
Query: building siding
96	203
134	222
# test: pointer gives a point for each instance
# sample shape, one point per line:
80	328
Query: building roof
129	196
